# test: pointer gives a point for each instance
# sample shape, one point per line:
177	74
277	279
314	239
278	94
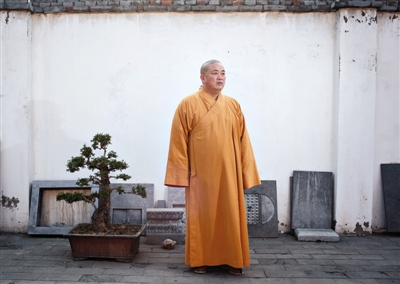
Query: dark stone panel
312	200
391	194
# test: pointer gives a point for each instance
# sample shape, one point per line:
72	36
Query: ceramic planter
120	247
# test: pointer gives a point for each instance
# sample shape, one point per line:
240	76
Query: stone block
391	194
261	203
316	235
175	197
312	200
130	208
155	8
160	204
165	223
359	4
275	8
227	9
257	8
203	8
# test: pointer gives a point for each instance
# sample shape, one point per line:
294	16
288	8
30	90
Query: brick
166	2
37	10
321	8
275	8
258	8
12	6
155	8
387	8
101	8
203	8
359	3
52	10
227	9
179	2
262	2
190	2
377	3
79	4
249	2
125	3
130	9
302	8
214	2
43	5
174	8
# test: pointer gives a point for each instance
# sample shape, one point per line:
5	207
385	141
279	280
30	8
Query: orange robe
211	156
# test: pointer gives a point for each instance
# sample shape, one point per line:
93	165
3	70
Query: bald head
205	65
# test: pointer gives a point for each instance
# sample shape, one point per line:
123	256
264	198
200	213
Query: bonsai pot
120	247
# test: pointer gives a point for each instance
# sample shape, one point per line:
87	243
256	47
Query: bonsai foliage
103	167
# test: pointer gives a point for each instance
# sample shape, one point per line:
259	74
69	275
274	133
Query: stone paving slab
360	260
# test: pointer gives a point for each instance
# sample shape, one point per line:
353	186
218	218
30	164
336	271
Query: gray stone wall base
316	235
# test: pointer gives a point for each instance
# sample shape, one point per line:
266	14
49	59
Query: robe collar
208	98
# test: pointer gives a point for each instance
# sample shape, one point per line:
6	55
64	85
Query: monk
210	154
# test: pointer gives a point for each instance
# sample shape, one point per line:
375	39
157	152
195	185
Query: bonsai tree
103	166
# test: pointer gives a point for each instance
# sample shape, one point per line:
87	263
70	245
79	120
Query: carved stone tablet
262	220
312	200
391	194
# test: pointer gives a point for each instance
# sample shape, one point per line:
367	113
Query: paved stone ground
366	260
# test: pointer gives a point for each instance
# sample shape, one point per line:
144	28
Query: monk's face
213	79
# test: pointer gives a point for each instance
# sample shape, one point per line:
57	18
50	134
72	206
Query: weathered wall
312	86
16	106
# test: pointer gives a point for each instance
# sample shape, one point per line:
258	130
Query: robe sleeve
249	167
177	173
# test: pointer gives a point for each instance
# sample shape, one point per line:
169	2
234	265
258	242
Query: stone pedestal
165	223
316	235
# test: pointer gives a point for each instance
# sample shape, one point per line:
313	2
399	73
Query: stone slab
261	203
312	200
391	194
316	235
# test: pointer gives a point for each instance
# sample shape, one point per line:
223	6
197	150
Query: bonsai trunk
101	216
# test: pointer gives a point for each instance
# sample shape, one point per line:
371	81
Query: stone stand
165	223
316	235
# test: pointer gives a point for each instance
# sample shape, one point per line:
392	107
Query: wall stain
359	230
8	202
8	17
394	17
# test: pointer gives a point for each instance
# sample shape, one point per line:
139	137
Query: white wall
387	118
15	118
124	74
